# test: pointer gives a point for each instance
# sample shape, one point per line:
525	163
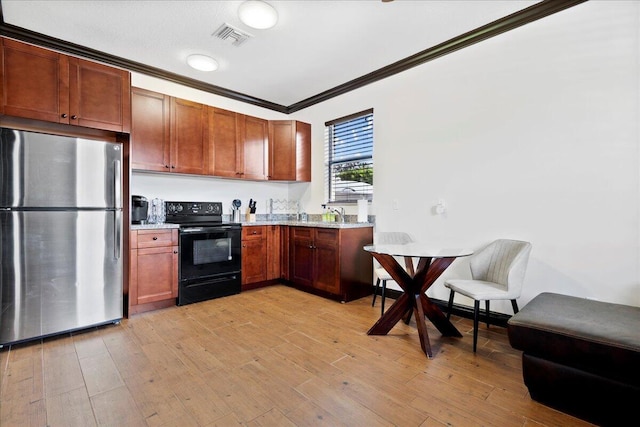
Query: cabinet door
149	130
326	260
301	256
254	254
156	274
99	96
225	152
255	138
189	144
282	150
34	82
303	152
273	252
254	261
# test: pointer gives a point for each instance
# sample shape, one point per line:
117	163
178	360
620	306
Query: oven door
206	252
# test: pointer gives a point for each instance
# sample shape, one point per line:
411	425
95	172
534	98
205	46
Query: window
349	158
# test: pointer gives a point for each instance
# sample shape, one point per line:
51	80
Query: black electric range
210	253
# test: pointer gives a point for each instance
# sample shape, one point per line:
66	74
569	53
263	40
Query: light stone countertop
318	224
153	226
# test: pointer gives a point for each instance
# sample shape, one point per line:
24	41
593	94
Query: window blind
349	158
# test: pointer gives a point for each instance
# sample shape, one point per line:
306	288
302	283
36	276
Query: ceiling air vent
227	32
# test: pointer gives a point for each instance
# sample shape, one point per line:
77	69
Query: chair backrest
391	238
503	262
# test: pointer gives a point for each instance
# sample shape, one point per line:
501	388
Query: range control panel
187	209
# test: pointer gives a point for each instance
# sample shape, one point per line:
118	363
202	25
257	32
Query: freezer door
61	271
48	171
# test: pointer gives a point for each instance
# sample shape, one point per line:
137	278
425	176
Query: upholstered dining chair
381	275
497	273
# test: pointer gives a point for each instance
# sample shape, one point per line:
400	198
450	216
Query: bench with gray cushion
580	356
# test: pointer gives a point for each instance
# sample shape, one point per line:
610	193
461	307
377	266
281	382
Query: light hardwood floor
269	357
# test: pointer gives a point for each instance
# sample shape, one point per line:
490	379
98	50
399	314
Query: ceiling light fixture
202	62
257	14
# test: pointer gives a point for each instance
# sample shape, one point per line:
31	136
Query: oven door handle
206	229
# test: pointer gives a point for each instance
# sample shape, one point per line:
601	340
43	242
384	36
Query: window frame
329	151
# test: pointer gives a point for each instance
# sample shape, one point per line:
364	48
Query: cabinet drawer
157	238
301	232
253	232
327	236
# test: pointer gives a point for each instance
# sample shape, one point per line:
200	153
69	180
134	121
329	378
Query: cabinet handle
166	166
64	115
244	246
173	166
255	232
155	238
74	117
175	252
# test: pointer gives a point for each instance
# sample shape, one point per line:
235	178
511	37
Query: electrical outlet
395	204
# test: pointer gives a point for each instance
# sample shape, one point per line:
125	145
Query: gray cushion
598	337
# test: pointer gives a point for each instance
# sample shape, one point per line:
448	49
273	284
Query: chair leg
450	306
384	290
514	304
476	316
486	305
375	292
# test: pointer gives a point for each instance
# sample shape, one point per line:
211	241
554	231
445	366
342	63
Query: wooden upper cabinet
34	82
225	150
289	150
303	152
189	138
254	140
238	145
150	136
44	85
99	96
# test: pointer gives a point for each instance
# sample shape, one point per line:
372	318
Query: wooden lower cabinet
261	255
254	255
153	278
331	262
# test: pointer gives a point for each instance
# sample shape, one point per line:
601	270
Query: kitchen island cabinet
331	262
41	84
153	270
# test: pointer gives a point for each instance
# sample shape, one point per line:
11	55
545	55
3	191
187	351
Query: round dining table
433	261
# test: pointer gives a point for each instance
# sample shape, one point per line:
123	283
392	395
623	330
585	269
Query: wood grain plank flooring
274	356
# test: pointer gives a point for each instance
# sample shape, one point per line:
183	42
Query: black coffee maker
139	209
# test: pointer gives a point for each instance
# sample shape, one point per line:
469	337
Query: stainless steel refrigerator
61	234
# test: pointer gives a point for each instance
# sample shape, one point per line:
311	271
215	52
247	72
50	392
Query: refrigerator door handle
117	190
117	233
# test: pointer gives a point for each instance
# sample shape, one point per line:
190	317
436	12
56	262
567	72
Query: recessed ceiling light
202	62
258	14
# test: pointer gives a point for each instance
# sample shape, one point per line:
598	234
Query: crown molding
500	26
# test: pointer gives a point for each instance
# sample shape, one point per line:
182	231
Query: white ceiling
315	46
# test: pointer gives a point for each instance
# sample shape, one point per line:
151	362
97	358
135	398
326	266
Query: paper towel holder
363	210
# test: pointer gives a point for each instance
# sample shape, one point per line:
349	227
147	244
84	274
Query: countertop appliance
210	253
61	234
139	209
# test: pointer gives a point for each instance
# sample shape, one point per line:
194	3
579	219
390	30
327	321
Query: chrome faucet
339	211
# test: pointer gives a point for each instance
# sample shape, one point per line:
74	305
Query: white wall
531	135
